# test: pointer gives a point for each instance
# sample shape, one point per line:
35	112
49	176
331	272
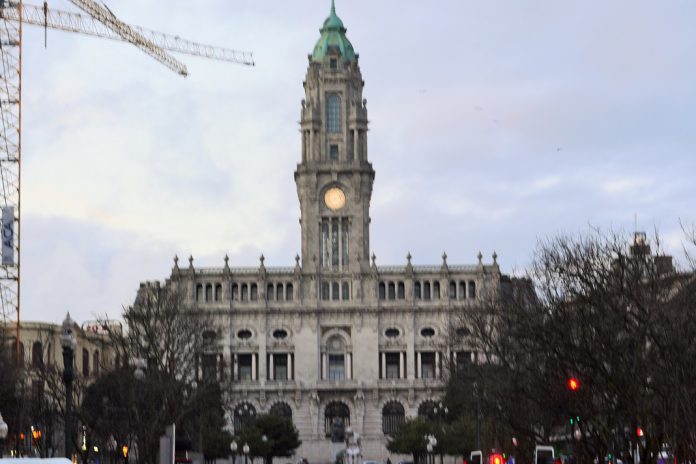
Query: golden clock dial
334	198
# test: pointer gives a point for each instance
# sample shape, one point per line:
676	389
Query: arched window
324	290
269	292
36	355
288	292
279	292
282	410
400	291
453	290
345	291
393	417
235	292
218	292
20	361
254	293
85	362
209	292
436	290
430	410
417	290
334	291
245	292
392	291
244	415
95	362
426	291
333	113
336	420
462	290
199	292
472	289
382	291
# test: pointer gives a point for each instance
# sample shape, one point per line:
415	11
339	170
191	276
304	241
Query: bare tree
158	384
620	321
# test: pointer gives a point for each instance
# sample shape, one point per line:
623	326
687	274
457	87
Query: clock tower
334	178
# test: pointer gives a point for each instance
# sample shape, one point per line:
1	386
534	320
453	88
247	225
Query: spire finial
333	7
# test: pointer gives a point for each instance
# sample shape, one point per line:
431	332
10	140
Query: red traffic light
573	384
495	458
639	432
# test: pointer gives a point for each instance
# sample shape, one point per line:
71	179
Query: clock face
334	198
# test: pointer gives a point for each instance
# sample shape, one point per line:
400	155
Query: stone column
235	367
437	364
324	362
271	374
418	365
290	372
253	366
401	365
383	372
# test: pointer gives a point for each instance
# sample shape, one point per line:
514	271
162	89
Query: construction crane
96	20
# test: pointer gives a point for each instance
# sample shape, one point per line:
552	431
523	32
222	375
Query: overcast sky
492	124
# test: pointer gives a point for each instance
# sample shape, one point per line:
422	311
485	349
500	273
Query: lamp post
233	449
245	450
3	435
264	440
68	342
430	446
112	447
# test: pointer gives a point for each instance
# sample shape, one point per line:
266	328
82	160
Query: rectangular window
333	152
344	242
209	362
392	368
325	250
333	113
280	366
244	366
334	243
336	367
427	365
333	63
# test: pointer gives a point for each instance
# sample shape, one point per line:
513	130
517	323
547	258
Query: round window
463	332
244	334
392	332
280	334
427	332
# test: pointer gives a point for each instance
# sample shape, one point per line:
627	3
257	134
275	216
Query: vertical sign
8	235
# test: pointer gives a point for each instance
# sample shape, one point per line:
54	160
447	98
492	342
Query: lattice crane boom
75	22
96	20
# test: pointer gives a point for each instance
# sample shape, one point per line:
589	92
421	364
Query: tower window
333	152
334	243
334	291
333	63
333	113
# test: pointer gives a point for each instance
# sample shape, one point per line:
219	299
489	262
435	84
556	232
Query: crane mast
98	21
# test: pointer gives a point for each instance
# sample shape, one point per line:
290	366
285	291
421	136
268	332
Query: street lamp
111	444
430	446
68	342
264	440
3	435
233	448
245	450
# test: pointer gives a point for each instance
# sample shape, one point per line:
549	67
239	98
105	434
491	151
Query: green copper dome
333	34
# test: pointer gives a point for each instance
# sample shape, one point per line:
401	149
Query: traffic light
495	458
124	451
639	432
573	384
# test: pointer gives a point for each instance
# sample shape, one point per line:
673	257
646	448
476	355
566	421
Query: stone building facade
335	340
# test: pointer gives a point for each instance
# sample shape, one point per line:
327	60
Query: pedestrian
388	461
